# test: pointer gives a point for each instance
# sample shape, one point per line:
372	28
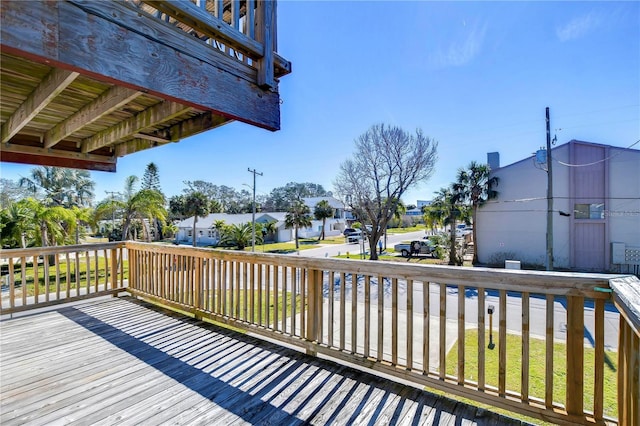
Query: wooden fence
44	276
536	343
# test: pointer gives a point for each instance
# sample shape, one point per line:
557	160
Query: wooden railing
408	326
244	30
43	276
547	350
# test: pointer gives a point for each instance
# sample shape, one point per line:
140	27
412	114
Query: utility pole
549	198
253	214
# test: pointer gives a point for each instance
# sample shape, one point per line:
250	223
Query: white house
333	226
596	210
207	234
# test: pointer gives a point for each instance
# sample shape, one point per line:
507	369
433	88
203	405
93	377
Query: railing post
265	35
114	268
314	308
575	355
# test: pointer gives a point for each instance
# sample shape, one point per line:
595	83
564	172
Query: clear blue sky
476	76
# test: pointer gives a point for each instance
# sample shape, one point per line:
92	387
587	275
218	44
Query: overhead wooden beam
151	138
134	145
106	103
157	114
195	125
52	85
211	26
57	158
130	54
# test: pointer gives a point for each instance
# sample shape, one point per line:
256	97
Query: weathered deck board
121	361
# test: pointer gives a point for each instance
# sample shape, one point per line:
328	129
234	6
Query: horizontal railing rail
244	30
43	276
560	347
552	357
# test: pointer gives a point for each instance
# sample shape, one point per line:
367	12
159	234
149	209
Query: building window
189	233
211	233
589	211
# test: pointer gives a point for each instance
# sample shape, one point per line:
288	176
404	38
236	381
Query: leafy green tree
386	163
447	207
49	225
239	235
134	206
298	217
270	230
218	226
11	191
151	178
15	224
196	205
323	211
60	186
281	198
476	186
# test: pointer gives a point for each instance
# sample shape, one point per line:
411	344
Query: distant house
596	209
206	234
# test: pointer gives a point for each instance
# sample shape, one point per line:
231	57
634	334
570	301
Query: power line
599	161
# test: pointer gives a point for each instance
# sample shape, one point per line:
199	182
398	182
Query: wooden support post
265	21
314	306
575	355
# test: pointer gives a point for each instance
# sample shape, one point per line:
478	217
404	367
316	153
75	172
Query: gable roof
333	202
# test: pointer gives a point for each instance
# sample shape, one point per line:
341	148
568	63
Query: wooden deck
122	361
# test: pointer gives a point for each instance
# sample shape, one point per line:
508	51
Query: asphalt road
514	302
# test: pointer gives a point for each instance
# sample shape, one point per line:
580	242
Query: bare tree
387	162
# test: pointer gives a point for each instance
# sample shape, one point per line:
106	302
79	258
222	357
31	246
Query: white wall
514	225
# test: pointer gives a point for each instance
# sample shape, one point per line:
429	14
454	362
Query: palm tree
270	228
322	211
62	187
15	225
48	225
298	217
134	206
447	209
476	185
219	225
239	235
196	204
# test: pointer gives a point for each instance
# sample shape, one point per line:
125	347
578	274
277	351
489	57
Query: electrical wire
596	162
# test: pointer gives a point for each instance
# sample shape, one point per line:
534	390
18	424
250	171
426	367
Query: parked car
349	231
356	236
416	247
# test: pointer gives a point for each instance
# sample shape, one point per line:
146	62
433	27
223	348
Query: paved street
514	311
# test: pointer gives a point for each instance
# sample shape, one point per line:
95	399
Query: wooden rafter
157	114
52	85
106	103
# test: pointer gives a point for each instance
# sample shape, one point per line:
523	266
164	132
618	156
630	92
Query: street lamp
253	212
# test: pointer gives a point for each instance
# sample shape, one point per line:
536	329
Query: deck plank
122	361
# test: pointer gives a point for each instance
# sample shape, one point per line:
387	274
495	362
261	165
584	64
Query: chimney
493	159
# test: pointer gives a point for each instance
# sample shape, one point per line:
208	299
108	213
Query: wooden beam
195	125
211	26
134	145
112	42
151	138
157	114
50	87
106	103
49	157
264	33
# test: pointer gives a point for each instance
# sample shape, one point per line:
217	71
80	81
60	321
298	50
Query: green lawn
64	267
537	369
406	230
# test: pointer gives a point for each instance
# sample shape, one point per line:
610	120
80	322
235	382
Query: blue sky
475	76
